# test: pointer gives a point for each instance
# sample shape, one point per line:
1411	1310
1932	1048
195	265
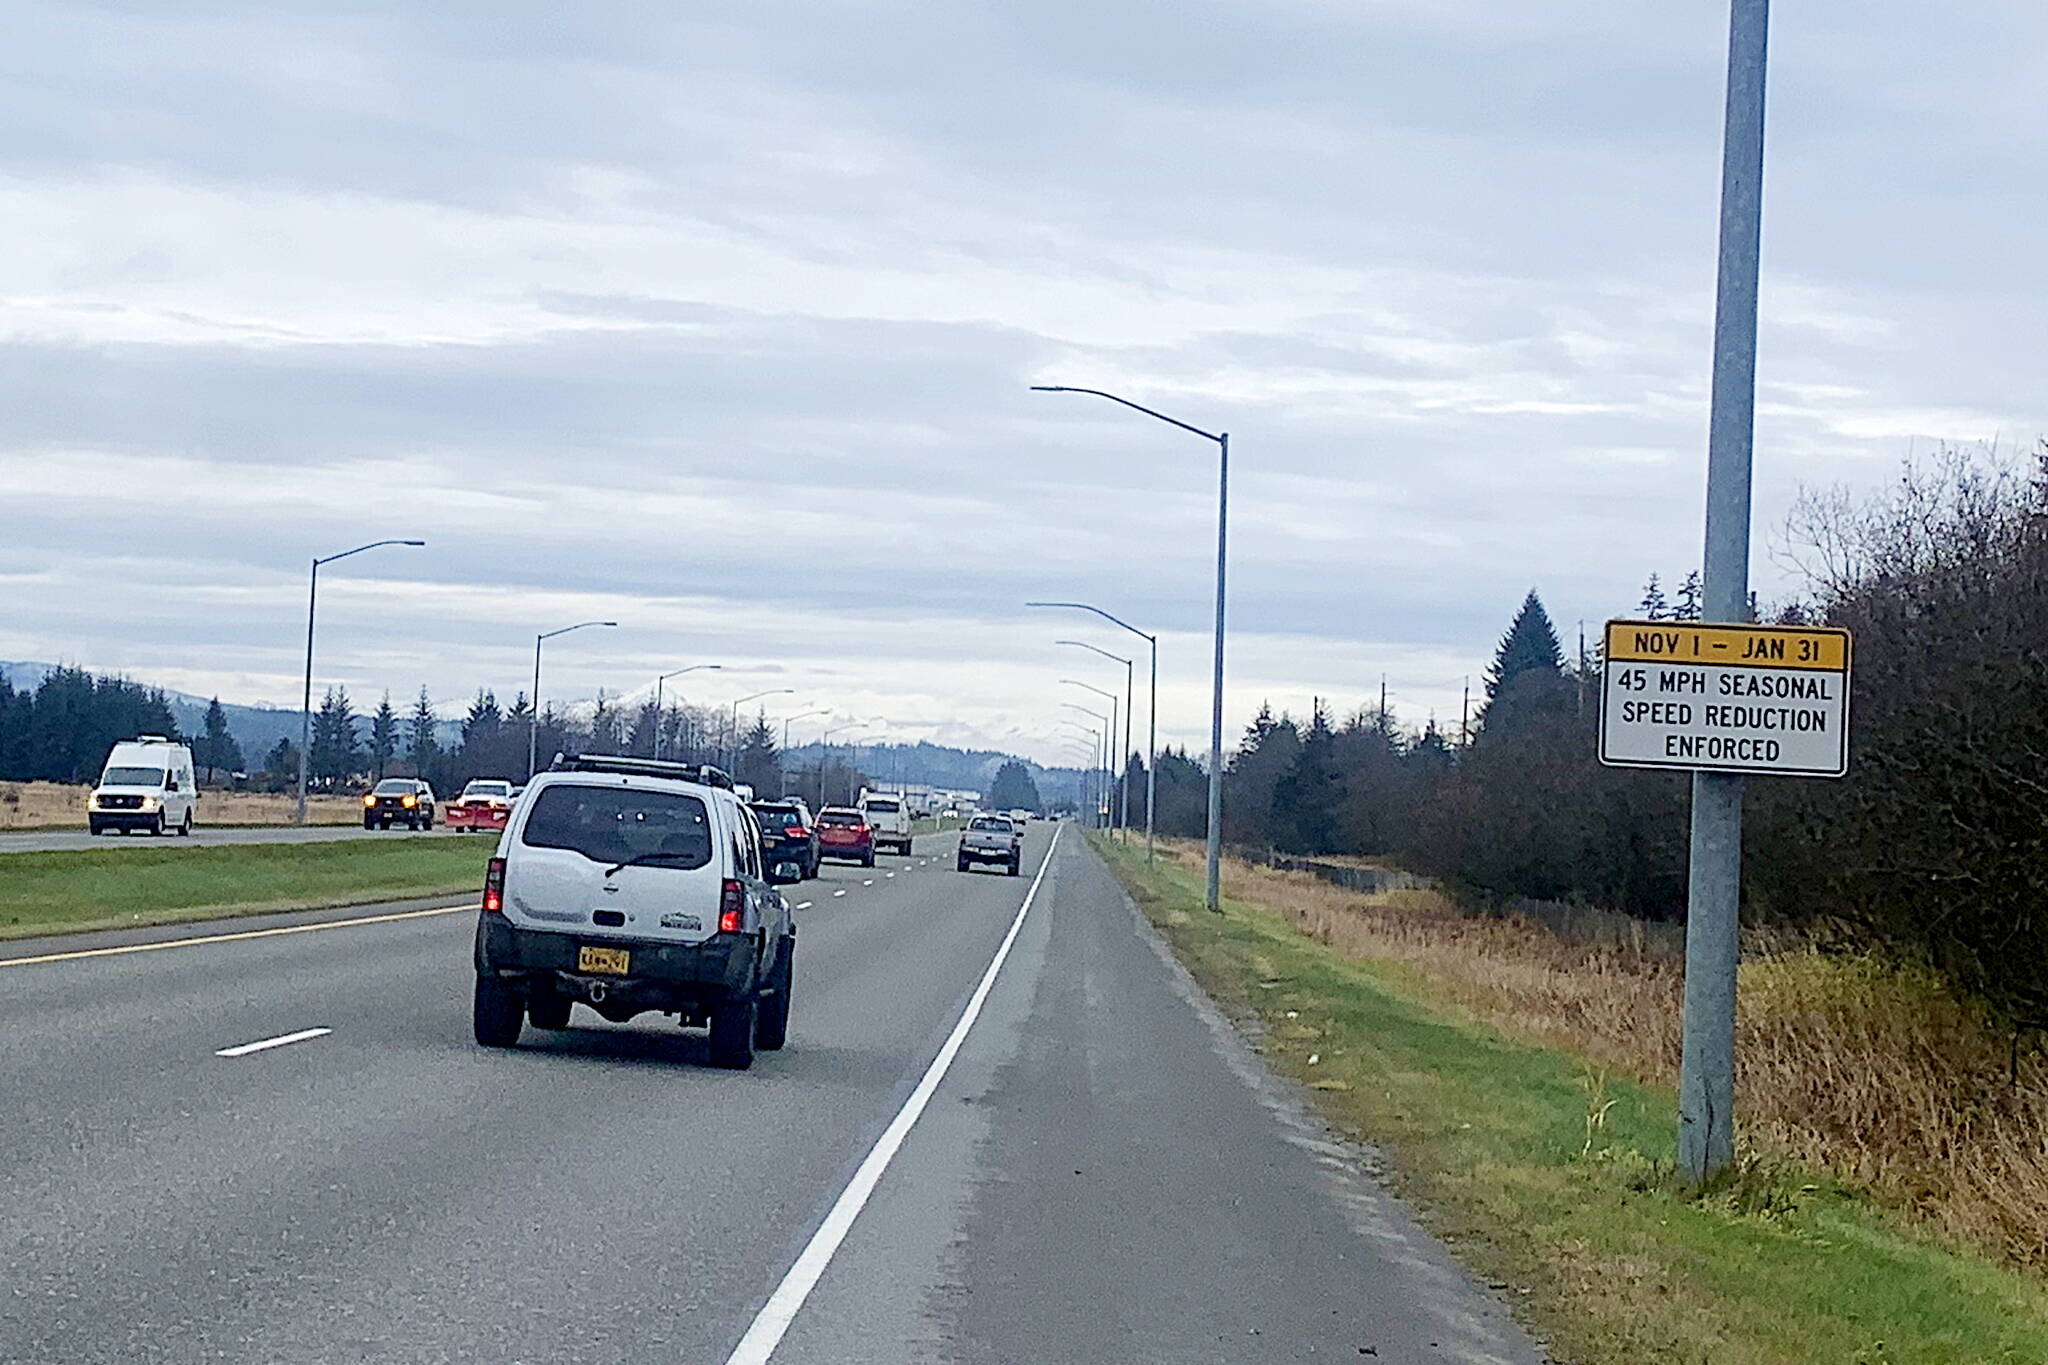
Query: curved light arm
1086	712
1075	682
360	548
691	669
1083	606
578	626
1083	644
1170	421
771	692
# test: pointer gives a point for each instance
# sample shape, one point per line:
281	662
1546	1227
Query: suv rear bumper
1005	856
684	977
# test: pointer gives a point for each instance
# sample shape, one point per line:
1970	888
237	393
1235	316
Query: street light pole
1101	731
1706	1076
533	720
755	696
1152	713
657	698
1109	815
306	700
1222	440
801	715
1123	758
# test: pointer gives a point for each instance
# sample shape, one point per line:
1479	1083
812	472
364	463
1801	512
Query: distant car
788	834
991	839
844	832
628	885
399	801
486	803
890	819
147	783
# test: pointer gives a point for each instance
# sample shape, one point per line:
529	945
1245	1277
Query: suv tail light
494	887
732	907
796	832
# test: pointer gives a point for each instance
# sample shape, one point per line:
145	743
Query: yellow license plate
615	961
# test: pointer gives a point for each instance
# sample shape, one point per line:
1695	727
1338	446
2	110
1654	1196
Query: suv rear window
994	822
885	807
619	824
839	817
776	817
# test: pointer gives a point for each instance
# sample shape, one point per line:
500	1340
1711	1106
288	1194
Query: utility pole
1706	1077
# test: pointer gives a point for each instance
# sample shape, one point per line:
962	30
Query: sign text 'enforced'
1741	699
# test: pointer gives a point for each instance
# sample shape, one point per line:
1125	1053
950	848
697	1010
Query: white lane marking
803	905
869	882
76	955
838	893
765	1333
888	874
282	1040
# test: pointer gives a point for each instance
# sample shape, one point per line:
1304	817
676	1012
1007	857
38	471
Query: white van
147	783
889	816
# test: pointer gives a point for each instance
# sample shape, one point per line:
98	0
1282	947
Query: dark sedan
788	834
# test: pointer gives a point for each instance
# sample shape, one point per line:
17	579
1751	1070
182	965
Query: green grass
1557	1181
102	888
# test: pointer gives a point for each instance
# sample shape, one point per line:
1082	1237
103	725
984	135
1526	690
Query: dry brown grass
54	805
1874	1074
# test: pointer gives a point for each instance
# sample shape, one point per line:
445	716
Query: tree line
1933	848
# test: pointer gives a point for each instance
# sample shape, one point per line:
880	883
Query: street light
1108	774
533	720
1152	717
1222	440
1088	753
1102	733
657	698
306	702
801	715
825	750
1123	758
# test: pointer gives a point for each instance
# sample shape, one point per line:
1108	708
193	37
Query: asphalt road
46	841
1103	1173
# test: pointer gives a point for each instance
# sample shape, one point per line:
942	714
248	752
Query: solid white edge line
766	1331
281	1040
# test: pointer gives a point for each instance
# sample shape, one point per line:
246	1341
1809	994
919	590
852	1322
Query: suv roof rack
703	774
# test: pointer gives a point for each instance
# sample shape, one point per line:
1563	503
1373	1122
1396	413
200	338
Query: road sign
1732	699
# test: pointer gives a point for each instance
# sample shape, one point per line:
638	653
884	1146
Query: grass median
1553	1175
70	891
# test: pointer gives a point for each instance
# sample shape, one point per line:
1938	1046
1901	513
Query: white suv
889	817
628	885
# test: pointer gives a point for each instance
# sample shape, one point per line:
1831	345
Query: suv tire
771	1019
499	1013
868	861
732	1032
1016	866
549	1009
185	826
960	864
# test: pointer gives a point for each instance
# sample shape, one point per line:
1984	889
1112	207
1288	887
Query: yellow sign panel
1691	642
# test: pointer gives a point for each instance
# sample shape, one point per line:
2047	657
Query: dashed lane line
282	1040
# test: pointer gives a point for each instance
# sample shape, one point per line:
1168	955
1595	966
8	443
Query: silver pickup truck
991	839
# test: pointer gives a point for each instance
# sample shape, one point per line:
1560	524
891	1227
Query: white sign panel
1745	699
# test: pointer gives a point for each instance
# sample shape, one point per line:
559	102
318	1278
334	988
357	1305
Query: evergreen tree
422	750
383	736
216	747
336	755
481	726
760	766
281	764
1527	674
606	725
1306	798
1652	606
646	725
1264	756
1013	788
1688	598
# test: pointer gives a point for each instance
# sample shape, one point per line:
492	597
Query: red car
486	803
845	833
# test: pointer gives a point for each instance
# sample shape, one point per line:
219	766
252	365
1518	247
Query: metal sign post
1706	1078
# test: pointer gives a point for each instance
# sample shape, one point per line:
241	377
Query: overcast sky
719	320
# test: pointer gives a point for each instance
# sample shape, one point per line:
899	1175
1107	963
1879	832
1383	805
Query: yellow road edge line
127	948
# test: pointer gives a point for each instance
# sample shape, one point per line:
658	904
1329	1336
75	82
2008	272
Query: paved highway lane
52	840
387	1190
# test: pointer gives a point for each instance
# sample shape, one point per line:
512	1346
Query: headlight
408	801
369	800
149	803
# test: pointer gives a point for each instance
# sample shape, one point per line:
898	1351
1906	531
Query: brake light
865	829
732	907
494	887
796	832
